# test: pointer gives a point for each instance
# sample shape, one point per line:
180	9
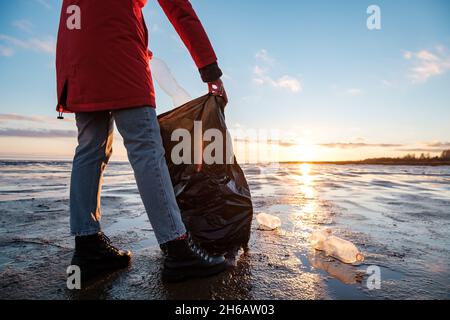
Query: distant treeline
423	159
413	159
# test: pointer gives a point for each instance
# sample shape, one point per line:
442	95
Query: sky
309	72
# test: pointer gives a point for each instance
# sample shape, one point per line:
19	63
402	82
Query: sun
305	169
306	151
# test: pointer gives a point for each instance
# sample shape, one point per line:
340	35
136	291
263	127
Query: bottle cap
359	257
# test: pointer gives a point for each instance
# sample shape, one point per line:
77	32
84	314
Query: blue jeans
139	128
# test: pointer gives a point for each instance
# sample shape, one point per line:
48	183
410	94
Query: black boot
185	259
95	255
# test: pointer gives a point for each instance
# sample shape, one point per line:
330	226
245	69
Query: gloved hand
217	88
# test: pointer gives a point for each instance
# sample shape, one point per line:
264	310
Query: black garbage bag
214	198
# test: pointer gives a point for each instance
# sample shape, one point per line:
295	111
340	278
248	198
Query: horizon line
360	161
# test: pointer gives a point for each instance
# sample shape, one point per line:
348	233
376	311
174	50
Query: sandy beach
398	216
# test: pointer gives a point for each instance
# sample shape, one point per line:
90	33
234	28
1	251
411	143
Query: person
103	76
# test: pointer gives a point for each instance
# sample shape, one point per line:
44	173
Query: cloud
287	82
23	25
282	143
387	84
424	150
156	28
42	45
227	76
16	117
290	83
6	51
353	92
432	147
355	145
424	147
44	3
408	55
338	145
263	55
27	133
286	143
426	64
346	92
34	118
37	126
262	70
438	144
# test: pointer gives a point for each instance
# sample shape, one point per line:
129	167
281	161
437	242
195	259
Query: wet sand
398	216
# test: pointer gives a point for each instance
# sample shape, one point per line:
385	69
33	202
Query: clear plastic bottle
336	247
167	81
268	222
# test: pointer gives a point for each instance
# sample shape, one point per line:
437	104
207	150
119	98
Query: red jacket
104	65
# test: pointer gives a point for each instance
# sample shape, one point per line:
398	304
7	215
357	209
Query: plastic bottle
168	83
268	222
343	272
336	247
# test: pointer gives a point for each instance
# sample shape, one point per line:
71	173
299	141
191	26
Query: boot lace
107	242
198	251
